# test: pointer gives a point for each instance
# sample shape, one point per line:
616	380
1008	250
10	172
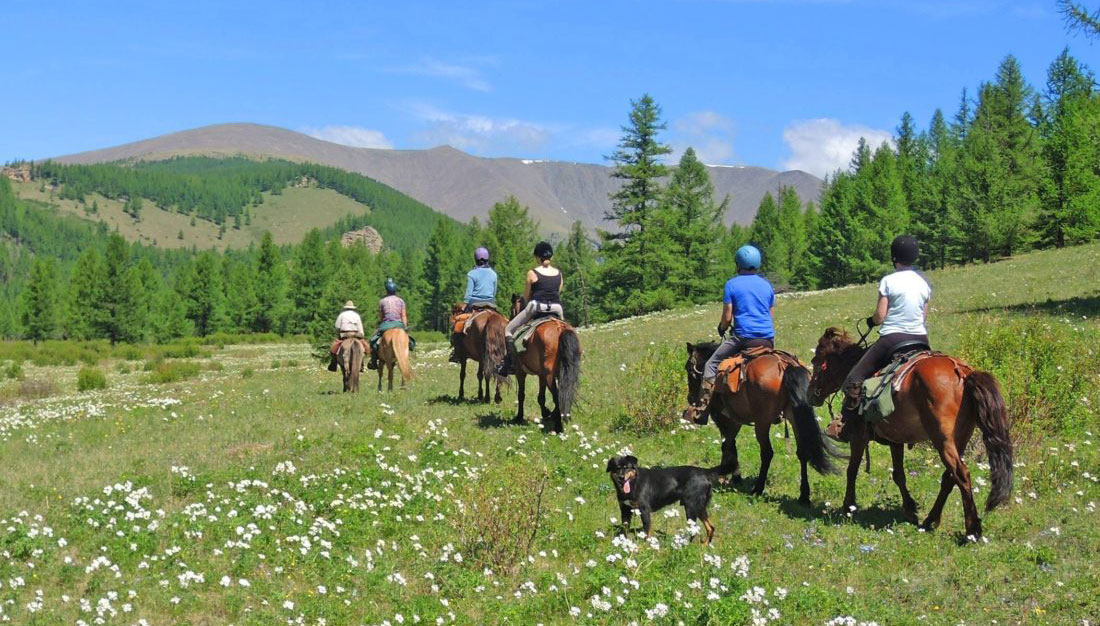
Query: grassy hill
287	215
251	493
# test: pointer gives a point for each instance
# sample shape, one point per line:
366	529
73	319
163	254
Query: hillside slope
451	181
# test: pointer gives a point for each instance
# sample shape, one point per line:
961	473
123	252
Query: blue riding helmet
391	286
748	258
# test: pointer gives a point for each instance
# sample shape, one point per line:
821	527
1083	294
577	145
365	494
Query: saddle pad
732	371
523	333
876	400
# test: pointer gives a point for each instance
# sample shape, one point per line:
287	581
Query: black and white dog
651	489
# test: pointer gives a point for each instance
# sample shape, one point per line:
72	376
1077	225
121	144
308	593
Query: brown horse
482	341
940	400
350	357
773	389
393	348
554	355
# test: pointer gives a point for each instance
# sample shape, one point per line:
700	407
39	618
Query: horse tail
992	416
495	347
569	370
401	353
807	434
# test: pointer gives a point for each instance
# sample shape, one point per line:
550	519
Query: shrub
248	372
89	378
14	371
499	516
276	364
1048	369
654	391
172	371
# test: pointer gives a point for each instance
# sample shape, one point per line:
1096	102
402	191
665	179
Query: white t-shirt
349	321
908	292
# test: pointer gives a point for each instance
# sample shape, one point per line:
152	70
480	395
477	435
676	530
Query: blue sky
777	83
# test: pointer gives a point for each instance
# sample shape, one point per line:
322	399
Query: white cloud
824	145
709	133
478	133
355	136
465	75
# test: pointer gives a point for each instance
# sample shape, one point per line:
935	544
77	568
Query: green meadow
235	485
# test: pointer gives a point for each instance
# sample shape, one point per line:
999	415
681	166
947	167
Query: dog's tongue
626	486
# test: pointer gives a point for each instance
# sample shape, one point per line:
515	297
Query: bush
172	371
14	371
1049	369
655	392
248	372
499	516
89	378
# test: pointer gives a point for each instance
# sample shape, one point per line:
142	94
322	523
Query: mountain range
454	182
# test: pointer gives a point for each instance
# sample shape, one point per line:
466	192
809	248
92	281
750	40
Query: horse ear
611	464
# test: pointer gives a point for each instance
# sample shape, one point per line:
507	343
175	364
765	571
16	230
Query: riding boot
843	427
454	358
700	411
508	365
373	365
332	364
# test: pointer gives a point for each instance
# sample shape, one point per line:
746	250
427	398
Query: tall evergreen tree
121	301
308	276
204	294
696	228
443	275
510	234
577	259
86	315
271	284
242	302
40	302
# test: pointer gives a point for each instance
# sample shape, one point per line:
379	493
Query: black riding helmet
905	250
544	250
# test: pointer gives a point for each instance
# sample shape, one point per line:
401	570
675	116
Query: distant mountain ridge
453	182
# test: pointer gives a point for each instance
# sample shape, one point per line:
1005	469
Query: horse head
518	302
698	354
836	354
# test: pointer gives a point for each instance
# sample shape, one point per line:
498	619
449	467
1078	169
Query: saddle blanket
377	336
876	401
523	333
335	348
732	371
464	320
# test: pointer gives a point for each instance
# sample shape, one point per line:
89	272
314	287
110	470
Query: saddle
462	321
876	400
335	348
523	333
732	372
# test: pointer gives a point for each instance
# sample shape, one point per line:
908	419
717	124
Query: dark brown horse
350	357
940	400
554	355
774	388
483	341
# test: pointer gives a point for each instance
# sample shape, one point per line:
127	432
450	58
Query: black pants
878	356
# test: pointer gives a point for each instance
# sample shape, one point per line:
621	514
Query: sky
784	84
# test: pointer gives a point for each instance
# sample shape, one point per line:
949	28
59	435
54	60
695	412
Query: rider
900	314
542	292
749	303
348	325
391	309
481	292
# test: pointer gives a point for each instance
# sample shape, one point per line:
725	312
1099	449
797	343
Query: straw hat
350	305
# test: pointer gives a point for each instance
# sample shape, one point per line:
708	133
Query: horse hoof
519	421
804	502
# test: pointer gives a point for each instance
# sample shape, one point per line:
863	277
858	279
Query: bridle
862	343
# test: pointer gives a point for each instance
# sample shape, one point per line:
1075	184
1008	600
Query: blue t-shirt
752	298
481	285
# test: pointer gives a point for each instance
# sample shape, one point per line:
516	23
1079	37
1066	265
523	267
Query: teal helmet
391	286
748	258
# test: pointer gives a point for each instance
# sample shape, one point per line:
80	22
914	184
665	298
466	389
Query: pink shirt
391	308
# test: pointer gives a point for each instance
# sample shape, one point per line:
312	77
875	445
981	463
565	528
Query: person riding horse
391	311
542	292
900	313
348	325
749	304
481	293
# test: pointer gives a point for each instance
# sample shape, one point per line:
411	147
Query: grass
354	509
287	216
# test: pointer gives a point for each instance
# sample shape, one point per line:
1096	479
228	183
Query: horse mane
705	348
834	341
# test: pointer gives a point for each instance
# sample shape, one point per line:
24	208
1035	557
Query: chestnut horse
772	390
940	400
393	348
482	341
554	355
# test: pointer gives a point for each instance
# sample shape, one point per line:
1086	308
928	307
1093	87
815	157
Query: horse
940	400
483	341
554	355
393	348
775	387
350	357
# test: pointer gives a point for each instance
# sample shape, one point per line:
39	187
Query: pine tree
792	230
696	228
120	303
1081	183
242	302
271	284
203	294
308	276
40	302
935	214
577	260
511	235
86	284
170	319
443	275
766	235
